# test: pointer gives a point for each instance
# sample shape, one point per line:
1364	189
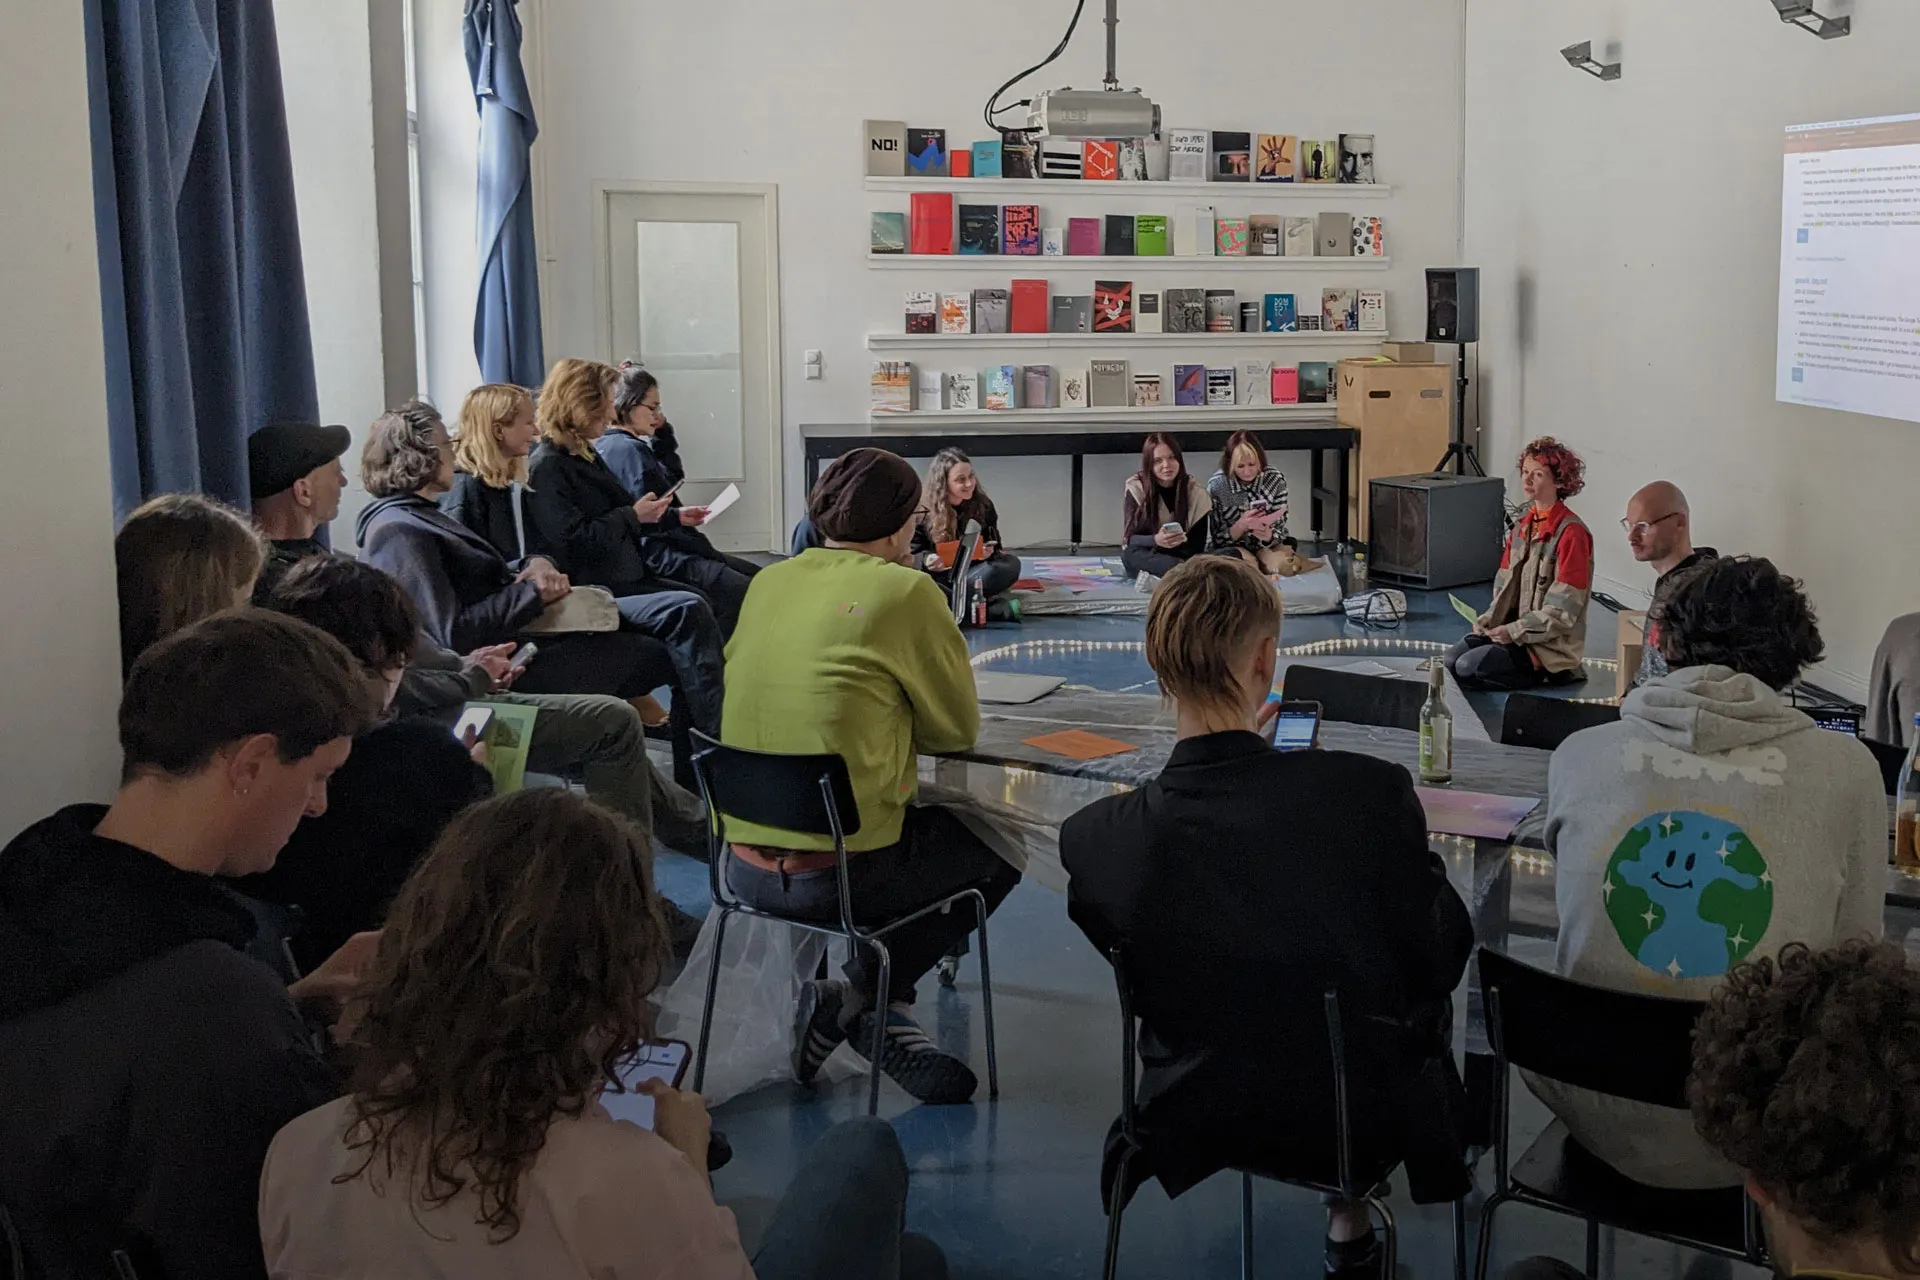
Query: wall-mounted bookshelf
1114	341
1024	264
1145	416
1326	194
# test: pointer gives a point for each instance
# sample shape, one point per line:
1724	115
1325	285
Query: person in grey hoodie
1712	824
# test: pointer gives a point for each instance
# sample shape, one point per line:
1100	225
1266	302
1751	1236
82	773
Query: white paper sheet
726	498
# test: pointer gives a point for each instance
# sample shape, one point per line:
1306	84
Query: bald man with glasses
1659	529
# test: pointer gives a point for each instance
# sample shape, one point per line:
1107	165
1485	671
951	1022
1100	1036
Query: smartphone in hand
662	1060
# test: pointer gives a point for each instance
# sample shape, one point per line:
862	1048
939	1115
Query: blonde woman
497	432
578	510
1250	508
181	557
952	499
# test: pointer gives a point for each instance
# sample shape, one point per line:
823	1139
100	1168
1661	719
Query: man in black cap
296	480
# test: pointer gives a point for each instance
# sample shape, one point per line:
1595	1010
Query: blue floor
1010	1189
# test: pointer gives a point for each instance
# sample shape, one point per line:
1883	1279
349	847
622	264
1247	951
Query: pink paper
1473	813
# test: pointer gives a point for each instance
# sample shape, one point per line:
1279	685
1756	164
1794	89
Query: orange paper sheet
950	551
1078	744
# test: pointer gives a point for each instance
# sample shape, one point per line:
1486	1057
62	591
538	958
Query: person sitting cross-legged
848	649
1238	886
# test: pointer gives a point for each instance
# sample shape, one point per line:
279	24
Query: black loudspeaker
1436	530
1453	304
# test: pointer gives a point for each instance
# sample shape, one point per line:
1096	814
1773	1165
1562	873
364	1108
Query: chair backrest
1613	1042
1533	721
1357	699
1891	760
773	790
275	926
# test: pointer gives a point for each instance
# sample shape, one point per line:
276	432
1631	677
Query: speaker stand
1464	458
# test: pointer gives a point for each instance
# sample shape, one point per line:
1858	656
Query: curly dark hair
512	979
1569	472
1740	612
401	455
353	602
1806	1075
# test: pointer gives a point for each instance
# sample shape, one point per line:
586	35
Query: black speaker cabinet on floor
1453	304
1435	531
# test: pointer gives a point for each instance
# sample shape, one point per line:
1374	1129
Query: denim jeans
842	1215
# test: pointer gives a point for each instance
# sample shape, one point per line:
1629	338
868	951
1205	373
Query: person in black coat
146	1059
1238	886
579	512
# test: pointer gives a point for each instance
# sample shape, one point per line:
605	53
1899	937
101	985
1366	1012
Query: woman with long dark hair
1165	514
952	499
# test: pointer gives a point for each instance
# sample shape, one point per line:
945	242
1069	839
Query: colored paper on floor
1465	610
1078	744
1474	814
1029	584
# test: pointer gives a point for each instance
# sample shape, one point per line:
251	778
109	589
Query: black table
825	442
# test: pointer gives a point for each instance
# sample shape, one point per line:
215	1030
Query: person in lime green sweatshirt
848	649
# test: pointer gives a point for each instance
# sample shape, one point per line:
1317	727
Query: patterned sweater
1233	498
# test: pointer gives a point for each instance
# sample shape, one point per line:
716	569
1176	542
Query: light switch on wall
813	364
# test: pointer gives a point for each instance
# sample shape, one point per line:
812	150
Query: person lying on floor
951	500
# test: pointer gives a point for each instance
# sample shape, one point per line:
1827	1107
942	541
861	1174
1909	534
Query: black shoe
1355	1259
816	1027
912	1061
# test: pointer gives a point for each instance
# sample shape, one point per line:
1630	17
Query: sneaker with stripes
816	1027
913	1061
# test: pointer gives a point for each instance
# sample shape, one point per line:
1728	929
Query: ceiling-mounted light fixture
1580	57
1799	13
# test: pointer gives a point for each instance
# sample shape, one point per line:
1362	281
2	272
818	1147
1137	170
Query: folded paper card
1078	744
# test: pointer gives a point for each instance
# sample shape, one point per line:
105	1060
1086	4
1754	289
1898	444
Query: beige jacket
604	1199
1542	589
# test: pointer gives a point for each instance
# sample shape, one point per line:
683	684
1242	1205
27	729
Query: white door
693	295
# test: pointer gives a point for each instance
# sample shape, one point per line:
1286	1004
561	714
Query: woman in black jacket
951	499
579	512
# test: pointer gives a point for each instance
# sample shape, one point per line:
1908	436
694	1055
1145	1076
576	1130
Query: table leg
1340	501
1075	501
1316	480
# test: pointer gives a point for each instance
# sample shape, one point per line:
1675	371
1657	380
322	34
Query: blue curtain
506	316
201	286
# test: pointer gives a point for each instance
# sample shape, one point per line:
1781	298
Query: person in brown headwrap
848	649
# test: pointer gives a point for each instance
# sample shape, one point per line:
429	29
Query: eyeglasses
1644	527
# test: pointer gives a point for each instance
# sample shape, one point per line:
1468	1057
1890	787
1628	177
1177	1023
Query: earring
240	791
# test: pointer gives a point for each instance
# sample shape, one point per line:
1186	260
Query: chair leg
1389	1237
1460	1239
1593	1250
1111	1267
713	989
1246	1226
986	994
1485	1257
880	1002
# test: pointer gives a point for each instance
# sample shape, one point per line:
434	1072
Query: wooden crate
1404	414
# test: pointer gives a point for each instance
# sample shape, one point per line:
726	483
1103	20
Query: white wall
1629	233
733	91
60	645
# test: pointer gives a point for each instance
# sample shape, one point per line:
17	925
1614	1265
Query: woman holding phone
474	1141
1166	514
1250	507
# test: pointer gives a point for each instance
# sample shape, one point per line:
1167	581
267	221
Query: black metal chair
1892	761
1533	721
1618	1043
1357	699
812	794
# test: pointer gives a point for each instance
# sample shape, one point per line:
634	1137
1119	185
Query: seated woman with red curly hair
1535	632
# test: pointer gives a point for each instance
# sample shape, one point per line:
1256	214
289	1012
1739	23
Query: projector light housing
1094	113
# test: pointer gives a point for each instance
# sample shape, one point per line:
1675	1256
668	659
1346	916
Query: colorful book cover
886	148
1316	381
927	153
1339	312
1220	386
1060	158
1368	241
1189	384
1020	229
979	228
986	159
1256	382
1146	313
930	222
1286	385
923	313
931	390
1036	386
1083	237
1356	157
999	391
1019	158
1113	306
956	313
1319	160
1100	161
1073	313
1280	315
1117	237
892	387
1146	390
889	233
1185	310
961	163
1073	388
1133	159
1230	237
1187	155
1222	316
1028	307
1053	242
990	310
1232	156
1373	310
1263	235
1276	158
963	390
1299	237
1150	235
1109	385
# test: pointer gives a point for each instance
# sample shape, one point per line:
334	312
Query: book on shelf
1319	160
923	312
956	313
1073	388
1222	315
1060	158
1109	385
1373	310
963	390
1299	237
1368	241
892	387
1146	390
1189	384
1220	387
1146	313
1113	306
1053	242
1339	311
1150	235
1132	159
1000	387
1263	235
1356	158
1018	156
1231	156
931	391
1280	316
986	159
990	310
1072	313
889	234
1020	229
1099	161
1316	381
1249	317
1158	159
1276	158
930	222
927	153
886	148
1286	385
1230	237
1309	320
1185	310
1187	155
1116	238
1083	237
1256	382
1193	233
1028	307
979	228
1036	386
1334	235
960	163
